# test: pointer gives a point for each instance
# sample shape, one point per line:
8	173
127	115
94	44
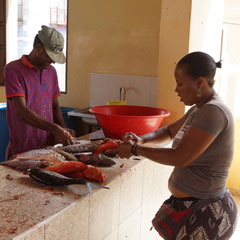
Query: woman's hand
124	149
130	136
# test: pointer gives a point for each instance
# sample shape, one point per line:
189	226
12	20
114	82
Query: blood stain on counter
59	194
46	202
9	177
12	230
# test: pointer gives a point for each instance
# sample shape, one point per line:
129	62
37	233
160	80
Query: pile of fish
37	158
55	179
63	165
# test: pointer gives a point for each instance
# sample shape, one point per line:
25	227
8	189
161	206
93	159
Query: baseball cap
53	43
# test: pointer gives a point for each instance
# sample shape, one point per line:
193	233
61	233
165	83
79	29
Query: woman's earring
199	93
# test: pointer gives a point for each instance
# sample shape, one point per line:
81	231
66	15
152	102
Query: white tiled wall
140	90
125	211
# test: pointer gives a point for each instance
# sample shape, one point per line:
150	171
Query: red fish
67	167
106	146
93	173
90	173
77	170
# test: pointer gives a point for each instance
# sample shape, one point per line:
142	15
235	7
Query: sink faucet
122	93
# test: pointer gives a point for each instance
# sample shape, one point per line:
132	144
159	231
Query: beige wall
185	26
109	37
234	176
173	45
2	94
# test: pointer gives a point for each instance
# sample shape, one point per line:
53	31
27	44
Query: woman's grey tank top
206	176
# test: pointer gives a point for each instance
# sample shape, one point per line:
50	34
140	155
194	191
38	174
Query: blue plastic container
71	122
4	134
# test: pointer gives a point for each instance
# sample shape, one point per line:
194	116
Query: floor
236	235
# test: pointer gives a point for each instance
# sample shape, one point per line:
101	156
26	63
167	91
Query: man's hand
63	136
71	131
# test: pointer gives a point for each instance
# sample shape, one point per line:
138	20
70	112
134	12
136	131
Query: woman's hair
200	64
36	41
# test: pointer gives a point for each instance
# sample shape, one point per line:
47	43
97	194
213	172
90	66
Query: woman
200	206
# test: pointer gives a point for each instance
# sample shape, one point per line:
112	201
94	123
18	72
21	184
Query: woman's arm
192	145
164	134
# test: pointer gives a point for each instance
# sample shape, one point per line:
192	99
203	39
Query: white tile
149	210
151	180
131	191
130	228
70	224
35	233
112	236
104	211
140	90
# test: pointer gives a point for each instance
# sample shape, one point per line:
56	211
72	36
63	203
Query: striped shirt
39	89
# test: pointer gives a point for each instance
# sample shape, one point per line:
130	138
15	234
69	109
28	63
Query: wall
234	178
11	21
230	88
173	44
109	37
206	27
185	26
2	94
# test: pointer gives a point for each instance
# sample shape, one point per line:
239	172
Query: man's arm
58	117
35	120
57	114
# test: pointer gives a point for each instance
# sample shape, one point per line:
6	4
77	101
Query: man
33	114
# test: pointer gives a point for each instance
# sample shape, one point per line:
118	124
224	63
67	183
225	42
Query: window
20	11
228	82
58	13
25	18
2	38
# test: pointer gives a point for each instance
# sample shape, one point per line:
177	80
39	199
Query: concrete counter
30	210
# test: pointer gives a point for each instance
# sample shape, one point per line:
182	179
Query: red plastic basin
116	120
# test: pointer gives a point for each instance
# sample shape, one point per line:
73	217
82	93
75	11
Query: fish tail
98	186
89	186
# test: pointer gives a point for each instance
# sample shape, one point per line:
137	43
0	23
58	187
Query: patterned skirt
197	219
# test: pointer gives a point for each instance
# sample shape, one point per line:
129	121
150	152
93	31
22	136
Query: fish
42	153
106	146
93	173
96	160
36	158
105	160
25	164
67	167
86	146
68	156
78	170
91	146
56	179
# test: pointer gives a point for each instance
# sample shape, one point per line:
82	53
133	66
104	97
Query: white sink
87	117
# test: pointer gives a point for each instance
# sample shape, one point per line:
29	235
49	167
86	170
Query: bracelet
134	149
